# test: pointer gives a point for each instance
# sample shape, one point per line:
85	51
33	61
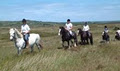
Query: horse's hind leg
72	44
91	40
39	46
68	44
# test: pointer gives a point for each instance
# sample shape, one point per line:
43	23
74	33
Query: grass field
97	57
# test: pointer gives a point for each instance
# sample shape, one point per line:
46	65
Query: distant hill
40	23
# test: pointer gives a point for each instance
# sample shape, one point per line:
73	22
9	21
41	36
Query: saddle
86	33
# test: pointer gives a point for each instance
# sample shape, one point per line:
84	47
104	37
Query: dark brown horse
85	37
106	37
65	35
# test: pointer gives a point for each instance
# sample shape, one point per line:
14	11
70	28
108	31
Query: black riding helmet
86	23
24	20
68	20
105	26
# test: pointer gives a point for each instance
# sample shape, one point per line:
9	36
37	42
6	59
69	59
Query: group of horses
20	43
65	35
18	39
85	39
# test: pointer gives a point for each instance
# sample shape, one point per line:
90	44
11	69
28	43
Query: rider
69	26
105	30
25	30
86	28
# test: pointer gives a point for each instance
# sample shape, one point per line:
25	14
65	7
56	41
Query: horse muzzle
11	39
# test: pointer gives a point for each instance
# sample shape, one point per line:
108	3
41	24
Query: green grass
97	57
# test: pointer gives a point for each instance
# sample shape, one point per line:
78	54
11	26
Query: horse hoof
69	47
75	45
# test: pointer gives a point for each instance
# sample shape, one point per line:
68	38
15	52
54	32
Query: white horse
17	37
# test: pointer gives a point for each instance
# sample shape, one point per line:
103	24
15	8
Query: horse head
62	30
80	31
12	33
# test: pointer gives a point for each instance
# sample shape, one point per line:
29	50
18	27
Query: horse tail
38	41
91	39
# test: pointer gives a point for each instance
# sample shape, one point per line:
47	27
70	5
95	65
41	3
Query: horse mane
18	33
80	30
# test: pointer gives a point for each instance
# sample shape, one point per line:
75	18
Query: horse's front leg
75	42
19	50
72	44
68	44
63	43
31	48
84	41
87	40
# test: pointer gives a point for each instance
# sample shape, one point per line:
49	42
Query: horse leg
87	40
108	37
103	37
91	40
75	42
83	41
39	46
19	51
87	37
31	48
68	44
72	43
63	43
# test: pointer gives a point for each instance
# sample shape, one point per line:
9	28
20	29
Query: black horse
65	35
85	37
105	37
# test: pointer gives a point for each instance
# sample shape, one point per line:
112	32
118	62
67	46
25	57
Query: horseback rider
69	26
105	30
86	28
25	30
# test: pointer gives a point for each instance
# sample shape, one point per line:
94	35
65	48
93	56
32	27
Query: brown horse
106	37
85	37
65	35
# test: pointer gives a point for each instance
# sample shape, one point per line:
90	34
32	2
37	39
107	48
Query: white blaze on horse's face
11	32
59	31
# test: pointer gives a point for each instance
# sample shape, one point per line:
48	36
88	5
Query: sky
60	10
